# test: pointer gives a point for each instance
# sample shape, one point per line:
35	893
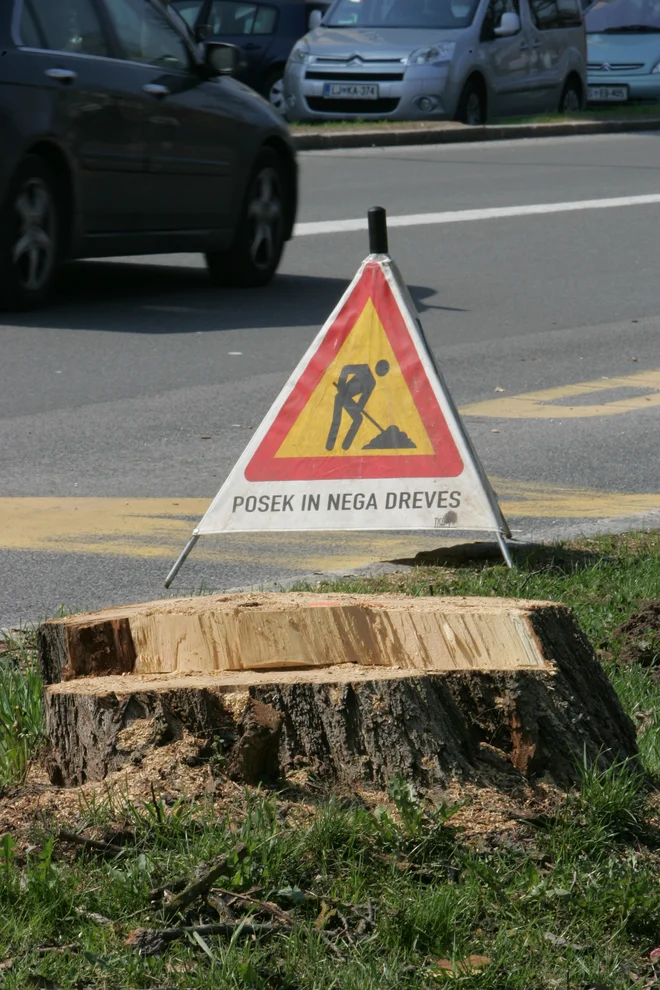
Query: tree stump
356	687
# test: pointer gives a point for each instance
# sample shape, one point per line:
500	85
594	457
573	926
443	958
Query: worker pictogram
354	389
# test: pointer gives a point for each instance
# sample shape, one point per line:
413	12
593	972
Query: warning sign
364	406
363	436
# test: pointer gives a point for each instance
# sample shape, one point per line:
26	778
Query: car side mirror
315	19
221	59
510	24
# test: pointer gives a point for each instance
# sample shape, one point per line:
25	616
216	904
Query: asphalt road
107	395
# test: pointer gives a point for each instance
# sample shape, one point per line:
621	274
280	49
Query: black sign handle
377	216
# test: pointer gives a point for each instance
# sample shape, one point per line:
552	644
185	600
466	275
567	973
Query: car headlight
300	52
656	69
442	52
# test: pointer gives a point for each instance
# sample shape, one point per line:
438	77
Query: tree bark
431	727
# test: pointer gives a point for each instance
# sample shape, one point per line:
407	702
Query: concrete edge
328	140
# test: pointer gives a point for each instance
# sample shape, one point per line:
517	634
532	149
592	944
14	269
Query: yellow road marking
159	527
538	501
542	404
144	527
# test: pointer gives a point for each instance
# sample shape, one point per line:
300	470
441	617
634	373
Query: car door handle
156	89
62	75
536	44
523	46
251	46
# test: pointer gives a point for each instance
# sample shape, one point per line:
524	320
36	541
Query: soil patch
639	637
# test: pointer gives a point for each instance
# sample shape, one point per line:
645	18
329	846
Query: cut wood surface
296	631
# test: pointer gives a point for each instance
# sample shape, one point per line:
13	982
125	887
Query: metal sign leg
506	553
181	561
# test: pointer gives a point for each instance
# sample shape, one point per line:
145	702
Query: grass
379	900
630	111
21	717
376	898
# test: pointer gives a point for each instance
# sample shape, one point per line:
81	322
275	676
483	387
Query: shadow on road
129	297
534	557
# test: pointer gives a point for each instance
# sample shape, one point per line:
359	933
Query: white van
468	60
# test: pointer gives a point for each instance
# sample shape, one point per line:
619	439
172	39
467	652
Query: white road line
466	216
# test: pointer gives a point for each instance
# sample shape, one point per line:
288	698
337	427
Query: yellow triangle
365	359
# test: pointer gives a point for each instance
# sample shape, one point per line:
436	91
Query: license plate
603	94
350	91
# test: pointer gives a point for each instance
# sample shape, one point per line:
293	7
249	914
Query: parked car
623	41
468	60
264	32
120	135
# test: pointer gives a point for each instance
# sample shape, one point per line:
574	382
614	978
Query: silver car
467	60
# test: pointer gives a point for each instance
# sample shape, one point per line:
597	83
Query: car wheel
571	97
255	254
273	90
29	236
472	104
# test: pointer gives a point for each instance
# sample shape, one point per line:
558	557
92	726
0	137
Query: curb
327	140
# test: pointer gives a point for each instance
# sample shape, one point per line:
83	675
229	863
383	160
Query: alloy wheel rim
265	217
276	96
571	101
33	253
473	110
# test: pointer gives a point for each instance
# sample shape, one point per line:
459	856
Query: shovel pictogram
354	389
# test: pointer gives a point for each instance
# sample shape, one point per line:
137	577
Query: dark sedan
265	32
120	135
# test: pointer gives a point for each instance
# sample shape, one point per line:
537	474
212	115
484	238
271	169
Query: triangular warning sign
364	435
364	406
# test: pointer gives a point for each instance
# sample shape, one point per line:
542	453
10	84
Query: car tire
472	104
258	243
571	97
29	236
272	89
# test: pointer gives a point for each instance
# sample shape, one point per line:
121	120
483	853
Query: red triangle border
445	462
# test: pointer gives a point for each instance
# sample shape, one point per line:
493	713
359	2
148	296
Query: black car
119	134
265	32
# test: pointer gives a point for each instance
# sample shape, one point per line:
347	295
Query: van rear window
551	14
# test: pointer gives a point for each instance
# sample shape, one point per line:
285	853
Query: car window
189	10
265	20
493	16
145	35
549	14
65	26
434	14
228	17
30	35
569	13
628	16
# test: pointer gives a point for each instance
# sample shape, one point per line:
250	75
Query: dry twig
205	882
151	942
96	844
268	906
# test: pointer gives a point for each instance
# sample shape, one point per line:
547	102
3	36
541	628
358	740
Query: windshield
623	16
445	14
188	10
